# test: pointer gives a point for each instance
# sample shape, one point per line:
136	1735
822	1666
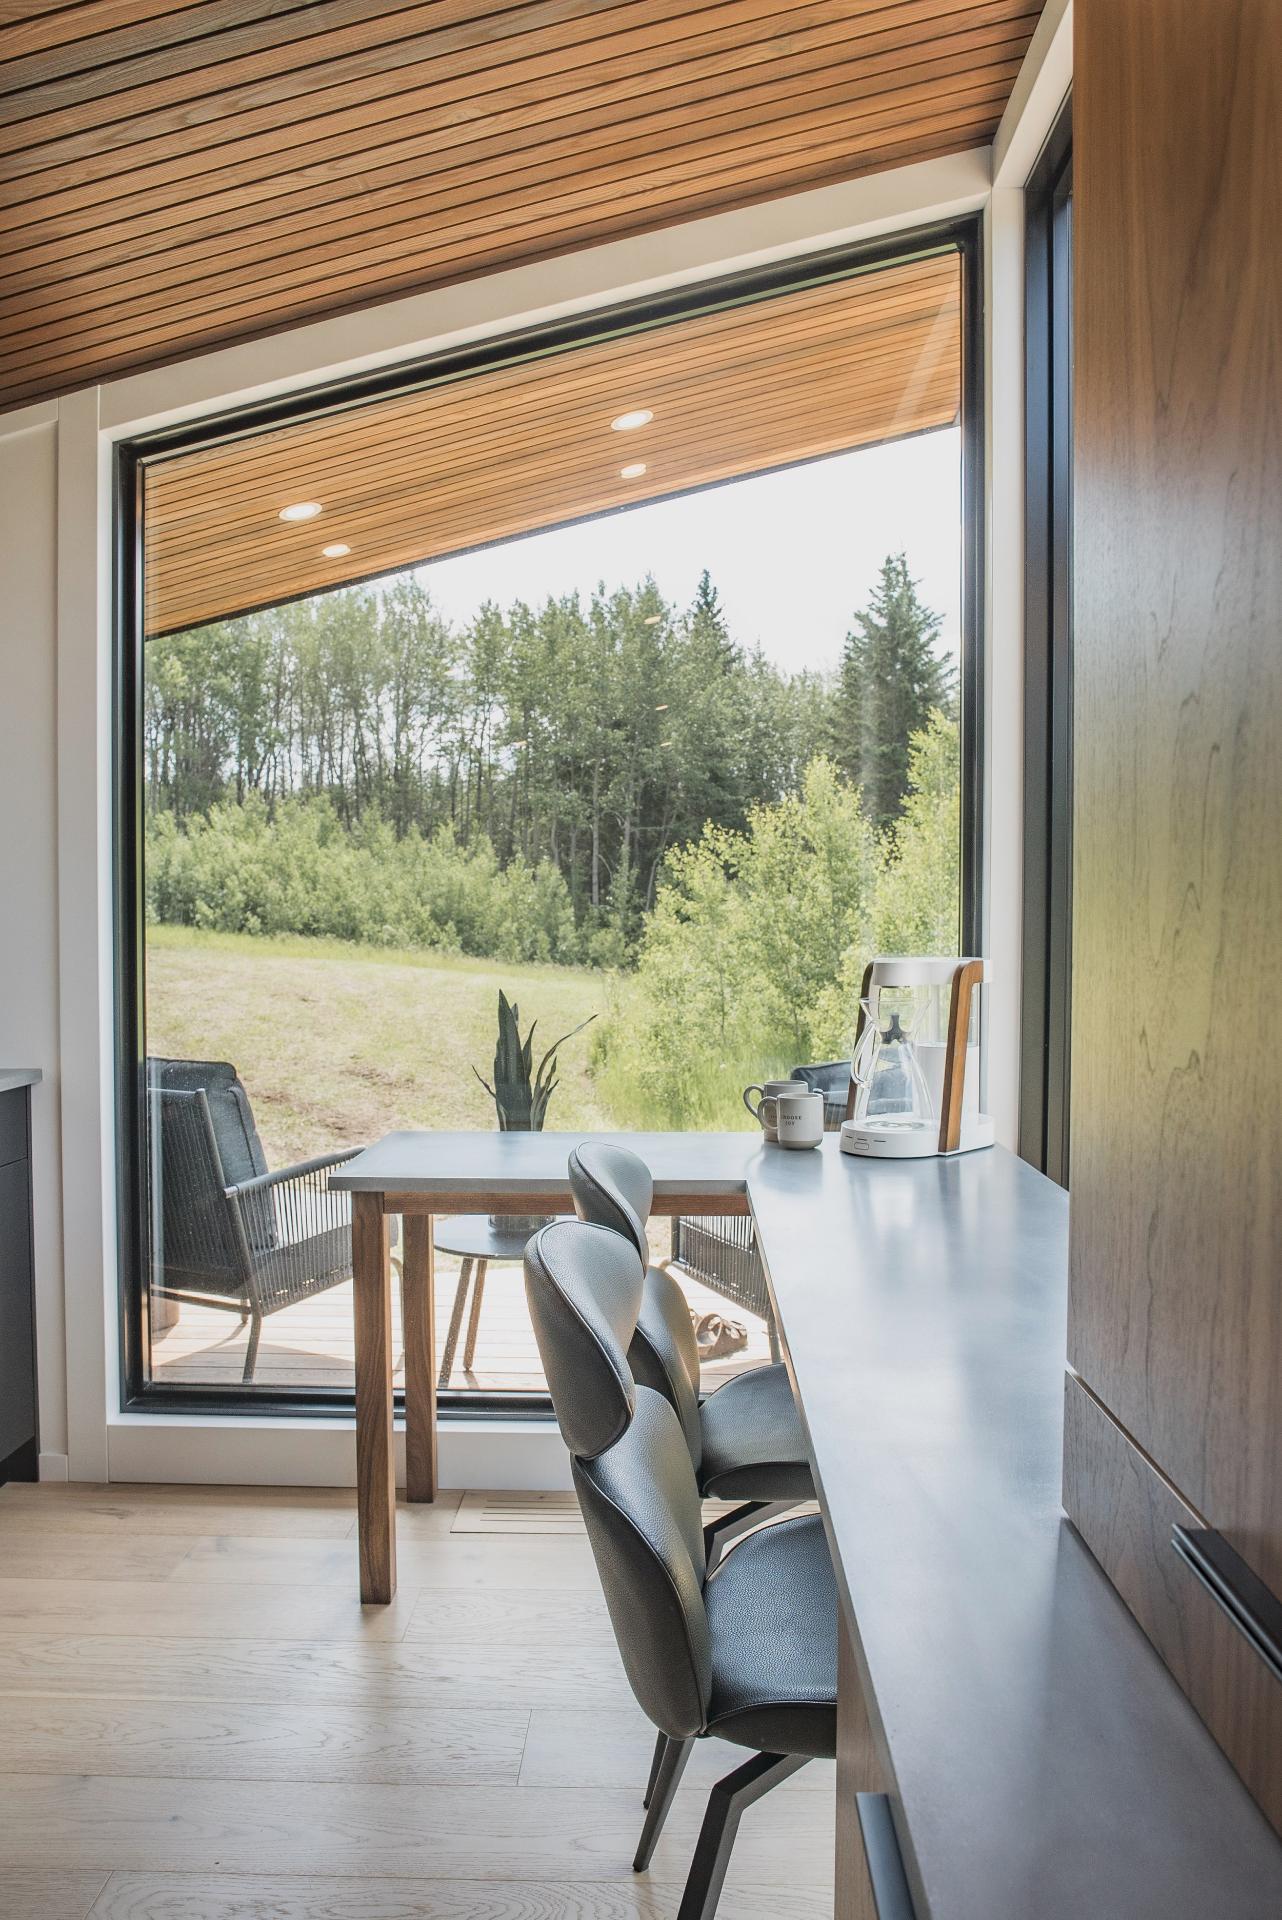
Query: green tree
916	904
890	680
747	931
706	626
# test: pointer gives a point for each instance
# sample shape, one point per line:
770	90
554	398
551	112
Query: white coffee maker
914	1078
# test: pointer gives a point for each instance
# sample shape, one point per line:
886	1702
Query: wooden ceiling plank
251	165
470	533
484	524
369	57
174	42
315	163
482	448
867	308
155	354
593	377
828	129
66	371
198	133
292	475
31	30
140	227
499	414
201	542
62	372
276	240
162	196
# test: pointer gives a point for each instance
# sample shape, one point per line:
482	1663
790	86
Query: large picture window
623	673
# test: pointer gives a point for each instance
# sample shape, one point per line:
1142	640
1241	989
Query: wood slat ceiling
175	178
525	446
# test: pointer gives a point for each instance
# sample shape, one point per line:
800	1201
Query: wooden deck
310	1345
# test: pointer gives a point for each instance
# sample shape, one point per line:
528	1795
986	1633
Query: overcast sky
792	554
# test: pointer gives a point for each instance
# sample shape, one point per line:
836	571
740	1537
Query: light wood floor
198	1721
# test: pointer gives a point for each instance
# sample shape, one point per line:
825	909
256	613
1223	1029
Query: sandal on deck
718	1337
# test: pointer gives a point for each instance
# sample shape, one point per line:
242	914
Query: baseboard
52	1466
188	1450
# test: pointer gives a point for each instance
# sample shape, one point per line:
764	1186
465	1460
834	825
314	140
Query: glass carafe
893	1093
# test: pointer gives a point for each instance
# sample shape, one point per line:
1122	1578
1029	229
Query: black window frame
140	1393
1046	986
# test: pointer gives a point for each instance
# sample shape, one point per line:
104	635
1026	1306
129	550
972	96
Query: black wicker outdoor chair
229	1233
719	1251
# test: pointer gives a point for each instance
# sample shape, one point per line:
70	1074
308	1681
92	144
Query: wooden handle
965	980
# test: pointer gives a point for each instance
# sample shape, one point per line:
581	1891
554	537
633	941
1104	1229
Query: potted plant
521	1091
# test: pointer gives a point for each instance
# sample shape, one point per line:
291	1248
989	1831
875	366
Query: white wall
54	772
29	853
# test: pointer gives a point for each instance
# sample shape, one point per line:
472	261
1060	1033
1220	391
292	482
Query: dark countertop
1043	1764
13	1077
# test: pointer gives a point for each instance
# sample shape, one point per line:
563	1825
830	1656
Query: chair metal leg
474	1323
660	1748
666	1782
456	1321
251	1351
726	1803
720	1535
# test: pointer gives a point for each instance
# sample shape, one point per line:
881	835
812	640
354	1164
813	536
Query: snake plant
520	1092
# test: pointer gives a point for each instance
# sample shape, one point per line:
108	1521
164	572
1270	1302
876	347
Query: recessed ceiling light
336	552
633	472
301	510
629	422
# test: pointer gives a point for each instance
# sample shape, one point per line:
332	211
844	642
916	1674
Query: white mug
798	1118
769	1091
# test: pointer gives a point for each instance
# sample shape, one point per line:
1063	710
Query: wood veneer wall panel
1176	1290
173	179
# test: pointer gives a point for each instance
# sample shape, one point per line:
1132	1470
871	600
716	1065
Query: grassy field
337	1044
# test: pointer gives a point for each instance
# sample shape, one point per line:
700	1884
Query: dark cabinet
18	1447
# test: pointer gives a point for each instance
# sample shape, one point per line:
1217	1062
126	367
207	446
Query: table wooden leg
418	1285
375	1463
857	1772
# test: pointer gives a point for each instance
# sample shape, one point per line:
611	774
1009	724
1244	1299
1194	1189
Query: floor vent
537	1513
518	1513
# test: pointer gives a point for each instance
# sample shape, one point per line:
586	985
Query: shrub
751	961
244	868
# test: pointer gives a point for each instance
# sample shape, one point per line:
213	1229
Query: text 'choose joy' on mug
788	1113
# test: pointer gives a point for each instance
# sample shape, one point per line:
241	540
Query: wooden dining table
417	1176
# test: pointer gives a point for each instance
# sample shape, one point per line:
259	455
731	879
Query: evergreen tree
889	683
707	628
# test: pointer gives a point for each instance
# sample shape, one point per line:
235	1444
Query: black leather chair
746	1439
748	1652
